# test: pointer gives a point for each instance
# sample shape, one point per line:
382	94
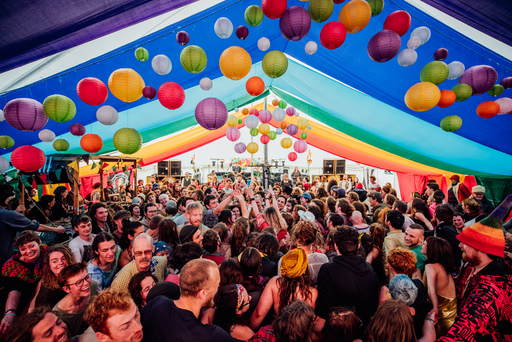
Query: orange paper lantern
255	86
235	63
447	98
126	84
488	109
275	102
91	143
355	15
284	125
422	96
245	111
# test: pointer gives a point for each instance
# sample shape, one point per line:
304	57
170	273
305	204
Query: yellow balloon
126	85
302	123
286	143
252	148
422	96
264	128
235	63
232	121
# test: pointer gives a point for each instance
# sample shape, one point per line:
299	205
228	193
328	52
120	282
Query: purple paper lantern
242	32
77	129
240	148
506	82
295	23
149	92
292	129
265	116
25	114
182	38
290	111
480	78
440	54
233	134
383	46
300	146
211	113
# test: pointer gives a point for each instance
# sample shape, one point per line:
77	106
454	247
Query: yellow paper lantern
302	123
264	128
355	15
235	63
232	121
252	148
422	96
126	85
286	143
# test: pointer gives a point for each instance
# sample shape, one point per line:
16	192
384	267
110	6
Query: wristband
253	199
430	319
13	310
9	314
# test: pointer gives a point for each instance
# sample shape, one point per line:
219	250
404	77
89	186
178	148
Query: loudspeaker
175	168
329	166
340	166
163	168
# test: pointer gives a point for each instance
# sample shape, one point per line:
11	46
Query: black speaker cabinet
329	166
175	167
340	166
163	168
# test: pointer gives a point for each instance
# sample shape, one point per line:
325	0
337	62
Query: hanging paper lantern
193	59
240	147
46	135
480	78
279	131
265	116
275	64
25	114
255	86
295	23
254	112
447	98
290	111
505	104
456	70
320	10
377	6
223	27
77	129
171	95
253	15
232	121
435	72
141	54
273	9
488	109
252	148
451	123
398	21
300	146
235	63
286	143
333	35
4	164
496	90
240	121
182	38
245	111
263	44
292	156
440	54
92	91
6	141
272	135
337	1
311	47
265	139
279	114
304	135
161	64
149	92
61	145
422	32
292	129
282	104
107	115
414	43
462	92
28	158
309	128
383	46
302	123
233	134
91	143
126	84
206	83
422	96
264	128
407	57
127	140
242	32
297	114
506	82
275	102
2	118
59	108
355	15
284	125
211	113
254	132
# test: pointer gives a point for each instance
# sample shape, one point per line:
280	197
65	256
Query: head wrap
240	295
294	263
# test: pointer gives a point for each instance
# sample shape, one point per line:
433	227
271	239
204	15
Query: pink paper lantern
295	23
25	114
233	134
171	95
300	146
292	156
292	129
92	91
254	112
211	113
264	139
290	111
28	158
240	148
383	46
265	116
77	129
149	92
480	78
398	21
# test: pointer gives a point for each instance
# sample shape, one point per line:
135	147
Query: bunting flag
86	158
74	165
94	165
125	168
114	169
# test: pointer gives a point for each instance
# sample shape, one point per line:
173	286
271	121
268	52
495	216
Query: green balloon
6	141
127	140
496	90
254	132
435	72
239	121
59	108
451	123
275	64
61	145
377	6
282	104
462	92
320	10
142	54
253	15
193	59
272	135
303	135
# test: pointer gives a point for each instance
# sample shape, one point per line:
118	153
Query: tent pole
266	168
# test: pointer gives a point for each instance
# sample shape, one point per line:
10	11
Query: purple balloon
77	129
506	82
292	129
440	54
265	116
242	32
383	46
211	113
290	111
240	147
480	78
149	92
182	38
25	114
295	23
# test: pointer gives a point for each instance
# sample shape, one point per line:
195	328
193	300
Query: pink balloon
233	134
265	116
300	146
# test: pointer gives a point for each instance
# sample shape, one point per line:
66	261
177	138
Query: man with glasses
142	249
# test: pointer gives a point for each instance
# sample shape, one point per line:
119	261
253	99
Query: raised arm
222	205
243	205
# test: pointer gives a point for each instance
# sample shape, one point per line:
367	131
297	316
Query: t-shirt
420	257
78	245
104	279
210	219
12	222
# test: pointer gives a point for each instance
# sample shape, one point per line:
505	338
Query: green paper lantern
275	64
127	140
303	135
272	135
254	132
239	121
61	145
496	90
6	141
142	54
253	15
320	10
377	6
462	92
435	72
59	108
282	104
451	123
193	59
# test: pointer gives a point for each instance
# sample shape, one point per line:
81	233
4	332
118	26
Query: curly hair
304	233
321	193
402	260
321	205
135	287
391	323
49	279
108	302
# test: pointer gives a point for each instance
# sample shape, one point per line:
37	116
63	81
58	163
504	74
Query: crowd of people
321	259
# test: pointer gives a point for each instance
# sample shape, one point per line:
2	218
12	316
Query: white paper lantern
206	83
236	109
456	69
4	164
223	27
107	115
279	131
46	135
2	118
309	128
414	42
311	47
161	64
251	121
407	57
279	114
505	105
422	32
263	44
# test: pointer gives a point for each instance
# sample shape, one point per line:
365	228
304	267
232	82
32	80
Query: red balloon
255	86
91	143
273	8
398	21
264	139
92	91
171	95
28	158
292	156
254	111
333	35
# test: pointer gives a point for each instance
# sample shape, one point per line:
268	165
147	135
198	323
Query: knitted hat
187	232
359	186
137	201
121	214
478	189
455	177
294	263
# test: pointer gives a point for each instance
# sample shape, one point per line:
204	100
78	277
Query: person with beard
164	319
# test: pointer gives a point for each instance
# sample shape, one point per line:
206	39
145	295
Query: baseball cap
306	196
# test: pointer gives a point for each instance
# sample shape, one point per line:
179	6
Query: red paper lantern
91	143
333	35
488	109
292	156
273	9
255	86
171	95
254	112
264	139
92	91
447	98
398	21
28	158
338	1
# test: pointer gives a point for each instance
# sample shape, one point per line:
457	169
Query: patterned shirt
265	334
